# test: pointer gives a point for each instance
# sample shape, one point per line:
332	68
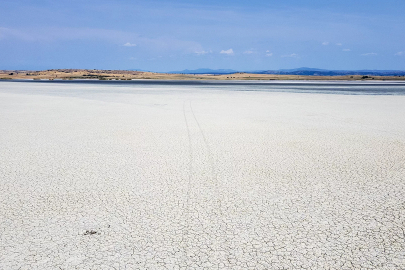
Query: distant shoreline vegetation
203	74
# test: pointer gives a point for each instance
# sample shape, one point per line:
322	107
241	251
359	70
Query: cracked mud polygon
199	177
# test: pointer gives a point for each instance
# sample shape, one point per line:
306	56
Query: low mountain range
297	71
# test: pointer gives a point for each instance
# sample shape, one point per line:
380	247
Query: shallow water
326	87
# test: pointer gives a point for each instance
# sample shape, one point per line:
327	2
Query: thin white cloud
338	44
129	44
325	43
228	52
16	33
290	55
248	52
52	34
346	50
269	54
400	53
368	54
202	52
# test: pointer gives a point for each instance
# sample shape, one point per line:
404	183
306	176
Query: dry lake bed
202	175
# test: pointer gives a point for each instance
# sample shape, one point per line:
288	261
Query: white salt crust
165	177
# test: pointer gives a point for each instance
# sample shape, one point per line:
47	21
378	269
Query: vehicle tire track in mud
186	225
210	157
219	215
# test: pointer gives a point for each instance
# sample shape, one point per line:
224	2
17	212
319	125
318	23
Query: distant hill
204	71
139	70
304	71
325	72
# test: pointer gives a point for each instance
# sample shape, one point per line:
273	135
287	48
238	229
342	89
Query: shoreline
124	75
374	87
219	82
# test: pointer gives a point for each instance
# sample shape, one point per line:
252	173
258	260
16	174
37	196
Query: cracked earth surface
164	177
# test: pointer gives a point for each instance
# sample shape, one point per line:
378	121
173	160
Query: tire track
185	234
221	223
210	156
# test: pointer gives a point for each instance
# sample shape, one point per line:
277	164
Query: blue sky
175	35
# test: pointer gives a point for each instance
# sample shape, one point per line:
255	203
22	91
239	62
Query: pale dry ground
159	177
